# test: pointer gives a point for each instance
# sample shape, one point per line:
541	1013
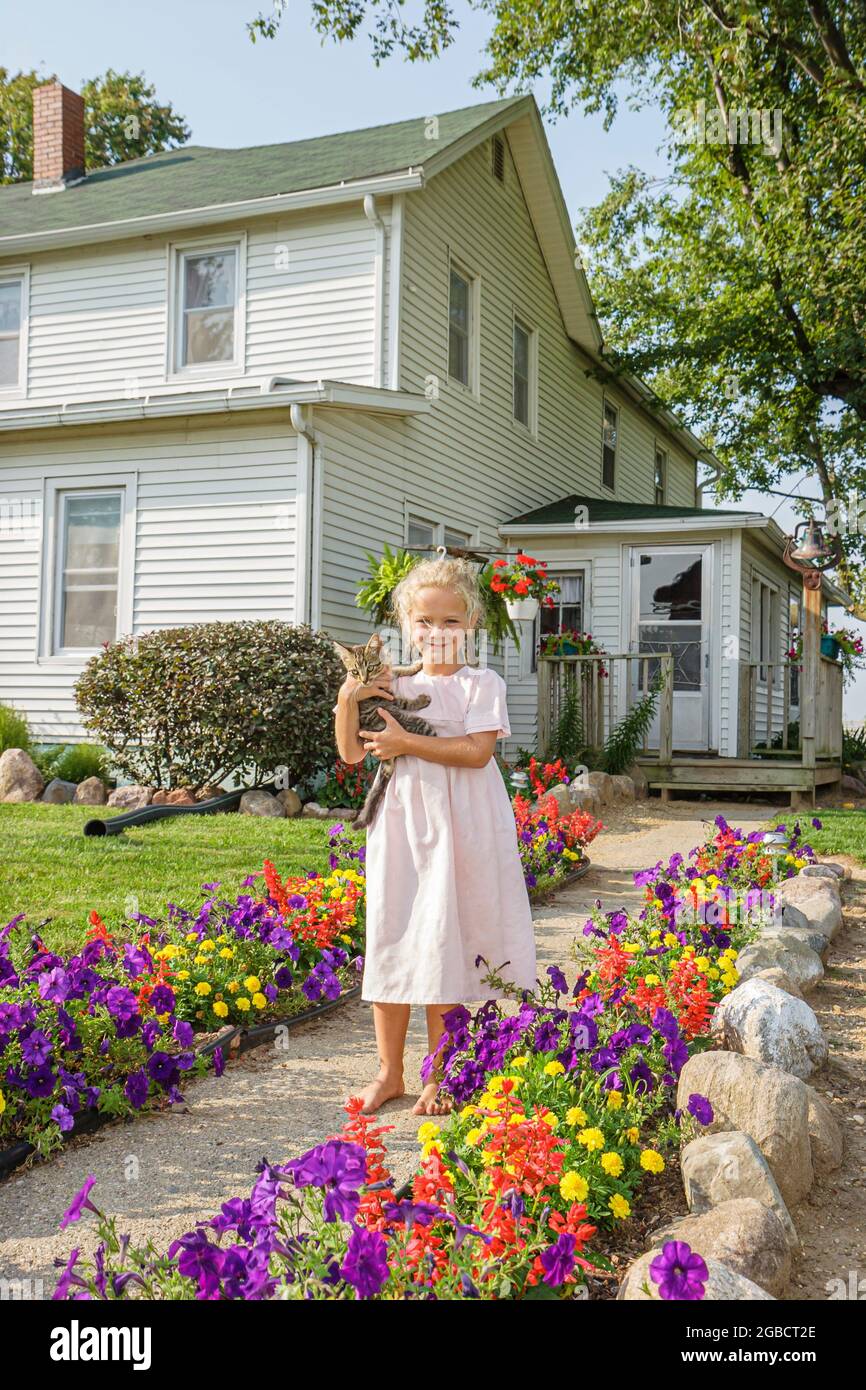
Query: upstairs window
463	354
11	332
609	433
524	390
661	473
208	329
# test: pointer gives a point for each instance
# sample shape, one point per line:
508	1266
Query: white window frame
531	424
526	668
21	273
607	401
177	252
659	449
56	487
473	386
759	656
440	526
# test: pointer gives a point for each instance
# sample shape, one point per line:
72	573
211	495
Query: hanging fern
625	740
385	574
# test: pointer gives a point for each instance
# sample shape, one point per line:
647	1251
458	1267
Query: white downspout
371	212
307	513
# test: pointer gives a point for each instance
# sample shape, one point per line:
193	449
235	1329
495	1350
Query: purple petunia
700	1108
365	1266
80	1202
679	1272
558	1260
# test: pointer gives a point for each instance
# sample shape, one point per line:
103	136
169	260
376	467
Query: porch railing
773	691
606	686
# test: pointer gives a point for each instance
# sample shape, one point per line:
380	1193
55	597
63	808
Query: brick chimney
58	138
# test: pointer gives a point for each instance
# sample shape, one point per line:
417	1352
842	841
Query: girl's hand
385	743
353	690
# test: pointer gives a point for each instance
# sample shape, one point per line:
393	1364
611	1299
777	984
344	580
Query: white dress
444	878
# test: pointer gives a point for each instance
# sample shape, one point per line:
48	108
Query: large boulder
762	1021
58	792
259	802
824	1134
827	869
290	801
787	953
132	797
723	1284
90	792
623	787
809	936
816	898
777	977
601	783
20	778
585	799
726	1167
741	1233
762	1100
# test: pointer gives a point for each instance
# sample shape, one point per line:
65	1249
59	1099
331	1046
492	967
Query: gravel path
161	1173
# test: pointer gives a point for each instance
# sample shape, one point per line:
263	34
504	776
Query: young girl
444	878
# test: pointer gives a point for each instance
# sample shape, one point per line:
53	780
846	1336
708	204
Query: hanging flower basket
521	609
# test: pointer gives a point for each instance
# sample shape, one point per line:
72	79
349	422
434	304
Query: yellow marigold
168	952
2	1102
201	960
612	1164
575	1116
670	939
632	1134
223	938
227	953
652	1161
519	1061
474	1135
614	1100
554	1069
573	1187
220	1009
516	1117
570	854
202	987
434	1147
731	953
233	986
427	1131
182	975
192	936
259	1000
206	944
702	963
549	1119
713	973
253	983
591	1139
633	947
651	980
619	1206
243	1004
468	1110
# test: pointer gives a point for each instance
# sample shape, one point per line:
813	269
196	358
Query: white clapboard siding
99	315
215	532
760	564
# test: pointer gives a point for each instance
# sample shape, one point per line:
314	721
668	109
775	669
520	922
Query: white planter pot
521	609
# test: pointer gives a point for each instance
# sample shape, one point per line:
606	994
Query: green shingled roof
197	177
561	513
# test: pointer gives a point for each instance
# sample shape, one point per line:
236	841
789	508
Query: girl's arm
462	750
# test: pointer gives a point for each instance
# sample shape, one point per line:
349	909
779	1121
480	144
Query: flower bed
552	843
112	1028
564	1112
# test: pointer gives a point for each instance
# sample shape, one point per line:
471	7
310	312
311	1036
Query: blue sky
233	92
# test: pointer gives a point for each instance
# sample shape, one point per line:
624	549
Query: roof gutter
382	184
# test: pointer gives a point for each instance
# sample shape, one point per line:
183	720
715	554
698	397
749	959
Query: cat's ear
346	654
374	642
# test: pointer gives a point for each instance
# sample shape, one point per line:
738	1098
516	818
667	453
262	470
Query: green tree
122	120
735	285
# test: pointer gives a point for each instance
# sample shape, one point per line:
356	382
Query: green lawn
842	832
49	869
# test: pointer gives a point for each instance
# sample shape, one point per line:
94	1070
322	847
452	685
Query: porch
592	695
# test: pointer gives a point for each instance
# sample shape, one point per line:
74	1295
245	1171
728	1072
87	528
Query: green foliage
853	749
78	761
188	706
14	732
625	741
122	120
568	740
385	574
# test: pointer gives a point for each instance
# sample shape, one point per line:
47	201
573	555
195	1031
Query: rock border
772	1133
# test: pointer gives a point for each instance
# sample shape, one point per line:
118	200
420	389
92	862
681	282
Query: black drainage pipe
117	824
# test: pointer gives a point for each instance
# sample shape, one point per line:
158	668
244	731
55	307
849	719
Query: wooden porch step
700	774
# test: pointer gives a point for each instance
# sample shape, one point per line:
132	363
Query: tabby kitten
366	663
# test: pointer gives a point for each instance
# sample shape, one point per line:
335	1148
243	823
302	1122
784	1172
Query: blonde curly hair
444	572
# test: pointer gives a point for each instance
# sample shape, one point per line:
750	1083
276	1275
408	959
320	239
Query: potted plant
840	644
524	584
571	643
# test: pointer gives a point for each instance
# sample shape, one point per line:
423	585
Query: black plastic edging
86	1121
115	825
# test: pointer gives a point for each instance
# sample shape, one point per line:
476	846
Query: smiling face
438	625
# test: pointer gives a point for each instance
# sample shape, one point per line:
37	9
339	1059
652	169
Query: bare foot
428	1103
382	1088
